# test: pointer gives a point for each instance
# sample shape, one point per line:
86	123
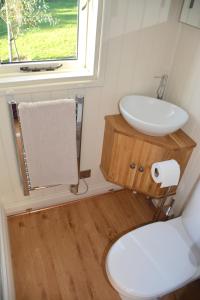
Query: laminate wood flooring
59	253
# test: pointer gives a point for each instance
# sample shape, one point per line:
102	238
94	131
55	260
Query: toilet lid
150	261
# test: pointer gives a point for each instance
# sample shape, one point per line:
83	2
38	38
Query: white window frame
85	68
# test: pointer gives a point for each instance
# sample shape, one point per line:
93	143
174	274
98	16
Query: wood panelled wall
184	90
138	44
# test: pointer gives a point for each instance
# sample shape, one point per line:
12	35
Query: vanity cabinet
127	155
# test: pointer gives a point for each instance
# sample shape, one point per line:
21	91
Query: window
40	34
38	30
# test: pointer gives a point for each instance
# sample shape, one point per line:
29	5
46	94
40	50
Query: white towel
49	137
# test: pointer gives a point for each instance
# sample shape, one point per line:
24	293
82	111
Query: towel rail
24	174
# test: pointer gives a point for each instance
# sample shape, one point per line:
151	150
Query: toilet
156	259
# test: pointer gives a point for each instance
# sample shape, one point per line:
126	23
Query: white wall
184	89
139	41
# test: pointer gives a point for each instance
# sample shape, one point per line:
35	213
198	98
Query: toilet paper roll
166	172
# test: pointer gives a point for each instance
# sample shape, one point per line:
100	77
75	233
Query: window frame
85	67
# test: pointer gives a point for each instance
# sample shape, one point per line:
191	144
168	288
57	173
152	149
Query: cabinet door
143	182
124	156
150	154
131	163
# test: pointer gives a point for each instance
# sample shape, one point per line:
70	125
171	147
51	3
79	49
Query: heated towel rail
20	146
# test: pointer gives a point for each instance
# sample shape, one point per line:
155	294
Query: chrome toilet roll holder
163	208
160	210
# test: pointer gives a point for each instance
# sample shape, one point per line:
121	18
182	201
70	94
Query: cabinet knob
132	165
141	169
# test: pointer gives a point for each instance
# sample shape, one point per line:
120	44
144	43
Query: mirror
190	13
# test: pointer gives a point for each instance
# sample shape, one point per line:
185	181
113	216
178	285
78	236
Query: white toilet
156	259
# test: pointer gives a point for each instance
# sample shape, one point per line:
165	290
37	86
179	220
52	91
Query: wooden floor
60	253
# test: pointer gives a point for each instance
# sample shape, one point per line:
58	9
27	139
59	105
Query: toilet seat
150	261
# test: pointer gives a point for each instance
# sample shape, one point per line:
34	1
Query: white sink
152	116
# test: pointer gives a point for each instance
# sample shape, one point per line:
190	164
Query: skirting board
54	199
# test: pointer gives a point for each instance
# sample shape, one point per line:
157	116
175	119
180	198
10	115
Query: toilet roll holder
160	209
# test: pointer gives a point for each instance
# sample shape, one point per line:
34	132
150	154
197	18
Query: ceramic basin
152	116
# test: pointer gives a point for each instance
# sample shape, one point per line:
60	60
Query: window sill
78	78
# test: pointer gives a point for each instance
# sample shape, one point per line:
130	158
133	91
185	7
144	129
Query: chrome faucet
162	86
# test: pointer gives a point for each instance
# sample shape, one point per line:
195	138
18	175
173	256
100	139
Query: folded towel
49	137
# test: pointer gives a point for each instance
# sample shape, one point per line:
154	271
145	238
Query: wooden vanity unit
128	155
